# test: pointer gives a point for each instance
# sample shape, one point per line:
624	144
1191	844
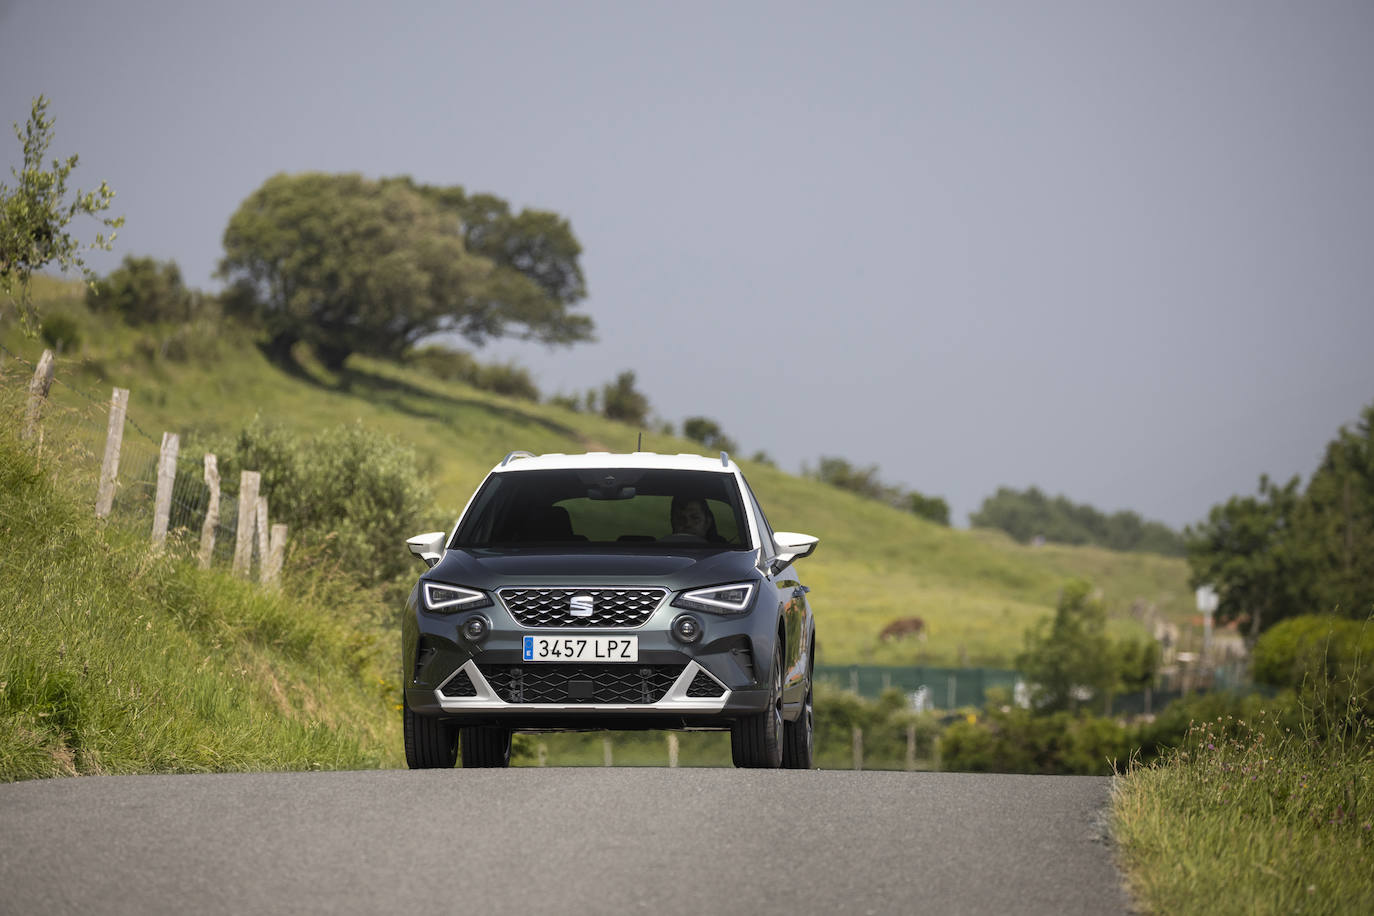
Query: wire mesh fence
69	430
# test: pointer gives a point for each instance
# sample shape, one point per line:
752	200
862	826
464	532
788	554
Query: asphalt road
564	841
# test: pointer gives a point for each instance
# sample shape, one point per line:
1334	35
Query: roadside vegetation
114	659
1268	808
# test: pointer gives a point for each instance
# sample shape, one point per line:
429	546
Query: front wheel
756	741
485	746
430	743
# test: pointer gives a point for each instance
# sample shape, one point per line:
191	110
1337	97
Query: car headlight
451	598
718	599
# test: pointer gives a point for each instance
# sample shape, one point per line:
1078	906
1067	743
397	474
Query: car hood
490	568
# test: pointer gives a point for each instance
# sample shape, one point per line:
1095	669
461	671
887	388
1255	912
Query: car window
626	507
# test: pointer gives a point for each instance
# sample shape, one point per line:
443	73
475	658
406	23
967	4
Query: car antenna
639	446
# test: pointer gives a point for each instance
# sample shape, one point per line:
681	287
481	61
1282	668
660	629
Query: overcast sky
1123	252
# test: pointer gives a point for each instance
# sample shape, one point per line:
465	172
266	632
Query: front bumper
720	665
675	702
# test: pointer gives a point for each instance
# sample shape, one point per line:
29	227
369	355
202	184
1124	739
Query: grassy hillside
976	590
113	660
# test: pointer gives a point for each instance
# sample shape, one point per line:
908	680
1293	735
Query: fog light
476	628
687	628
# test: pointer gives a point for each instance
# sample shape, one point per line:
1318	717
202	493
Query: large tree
1070	652
35	213
1290	551
352	265
1249	551
1336	518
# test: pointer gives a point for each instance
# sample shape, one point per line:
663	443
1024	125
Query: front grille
703	685
581	683
610	607
460	685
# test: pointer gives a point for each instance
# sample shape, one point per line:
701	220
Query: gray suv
605	591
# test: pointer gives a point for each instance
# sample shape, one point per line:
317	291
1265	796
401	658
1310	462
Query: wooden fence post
276	551
607	757
858	736
166	477
207	530
243	540
672	749
38	393
260	529
114	441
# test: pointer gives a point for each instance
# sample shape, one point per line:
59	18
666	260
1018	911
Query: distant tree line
1030	514
864	481
1291	550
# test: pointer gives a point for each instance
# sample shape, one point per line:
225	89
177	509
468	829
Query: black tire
799	737
756	741
430	743
485	746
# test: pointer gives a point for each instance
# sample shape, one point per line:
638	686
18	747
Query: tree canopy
143	290
352	265
709	433
35	213
1030	514
1070	651
1288	551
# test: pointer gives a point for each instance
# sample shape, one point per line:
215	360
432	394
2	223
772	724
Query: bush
931	508
620	400
61	332
145	291
1327	660
884	722
708	433
1016	741
457	366
351	494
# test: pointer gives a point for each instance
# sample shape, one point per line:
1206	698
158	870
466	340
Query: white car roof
524	461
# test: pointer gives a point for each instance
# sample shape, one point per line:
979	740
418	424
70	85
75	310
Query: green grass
976	590
1251	815
114	659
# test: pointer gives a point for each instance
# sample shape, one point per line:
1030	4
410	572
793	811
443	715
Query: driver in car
692	518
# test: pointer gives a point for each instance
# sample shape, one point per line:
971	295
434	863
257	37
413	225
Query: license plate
581	648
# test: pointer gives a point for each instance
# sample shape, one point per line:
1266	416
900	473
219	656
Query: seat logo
580	605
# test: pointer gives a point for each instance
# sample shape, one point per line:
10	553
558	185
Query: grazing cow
906	626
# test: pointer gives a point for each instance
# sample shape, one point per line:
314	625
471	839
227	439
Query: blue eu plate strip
529	648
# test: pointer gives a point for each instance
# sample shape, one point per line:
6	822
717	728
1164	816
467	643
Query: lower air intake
460	685
703	685
581	683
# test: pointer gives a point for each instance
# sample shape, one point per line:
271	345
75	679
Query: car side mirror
428	547
793	546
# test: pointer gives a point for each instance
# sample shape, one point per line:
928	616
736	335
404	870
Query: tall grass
1270	813
115	659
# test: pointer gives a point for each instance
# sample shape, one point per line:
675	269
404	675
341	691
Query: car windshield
627	507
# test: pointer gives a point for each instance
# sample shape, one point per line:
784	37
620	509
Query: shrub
61	332
1327	660
620	400
931	508
708	433
145	291
350	493
1016	741
458	366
